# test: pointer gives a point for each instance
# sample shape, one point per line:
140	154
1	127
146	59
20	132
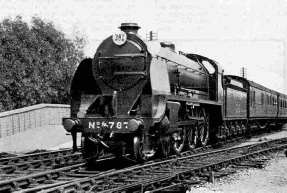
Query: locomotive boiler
143	98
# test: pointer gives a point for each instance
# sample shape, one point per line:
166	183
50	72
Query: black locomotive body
143	98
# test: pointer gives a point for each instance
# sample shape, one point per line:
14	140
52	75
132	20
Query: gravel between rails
271	179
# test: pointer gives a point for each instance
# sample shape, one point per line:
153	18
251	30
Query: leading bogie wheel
138	149
164	146
90	150
139	154
178	140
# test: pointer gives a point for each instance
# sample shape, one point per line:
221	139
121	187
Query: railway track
11	167
34	156
41	165
171	175
61	167
174	174
44	178
40	169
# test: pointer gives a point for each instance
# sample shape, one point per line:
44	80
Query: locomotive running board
195	101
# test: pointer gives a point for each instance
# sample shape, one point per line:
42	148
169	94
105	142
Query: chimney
130	28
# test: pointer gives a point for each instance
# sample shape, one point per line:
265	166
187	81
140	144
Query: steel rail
153	174
202	170
21	158
41	163
66	173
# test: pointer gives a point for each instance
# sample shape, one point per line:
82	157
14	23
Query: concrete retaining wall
20	120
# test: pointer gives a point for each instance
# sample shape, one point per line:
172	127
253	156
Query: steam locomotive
143	98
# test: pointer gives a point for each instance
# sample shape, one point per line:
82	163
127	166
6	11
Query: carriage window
262	98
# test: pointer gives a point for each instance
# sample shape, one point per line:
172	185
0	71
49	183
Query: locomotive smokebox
130	28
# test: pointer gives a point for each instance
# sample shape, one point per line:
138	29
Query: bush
36	63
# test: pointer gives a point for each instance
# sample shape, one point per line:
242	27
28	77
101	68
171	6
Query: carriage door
252	102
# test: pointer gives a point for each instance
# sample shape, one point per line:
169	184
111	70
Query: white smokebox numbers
120	38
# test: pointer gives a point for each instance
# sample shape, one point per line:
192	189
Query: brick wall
20	120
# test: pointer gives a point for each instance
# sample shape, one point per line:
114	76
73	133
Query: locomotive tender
143	98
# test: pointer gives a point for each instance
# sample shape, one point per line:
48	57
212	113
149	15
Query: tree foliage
36	63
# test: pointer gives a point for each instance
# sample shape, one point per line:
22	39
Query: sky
236	33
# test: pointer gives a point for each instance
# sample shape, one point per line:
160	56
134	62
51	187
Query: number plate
108	125
120	38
